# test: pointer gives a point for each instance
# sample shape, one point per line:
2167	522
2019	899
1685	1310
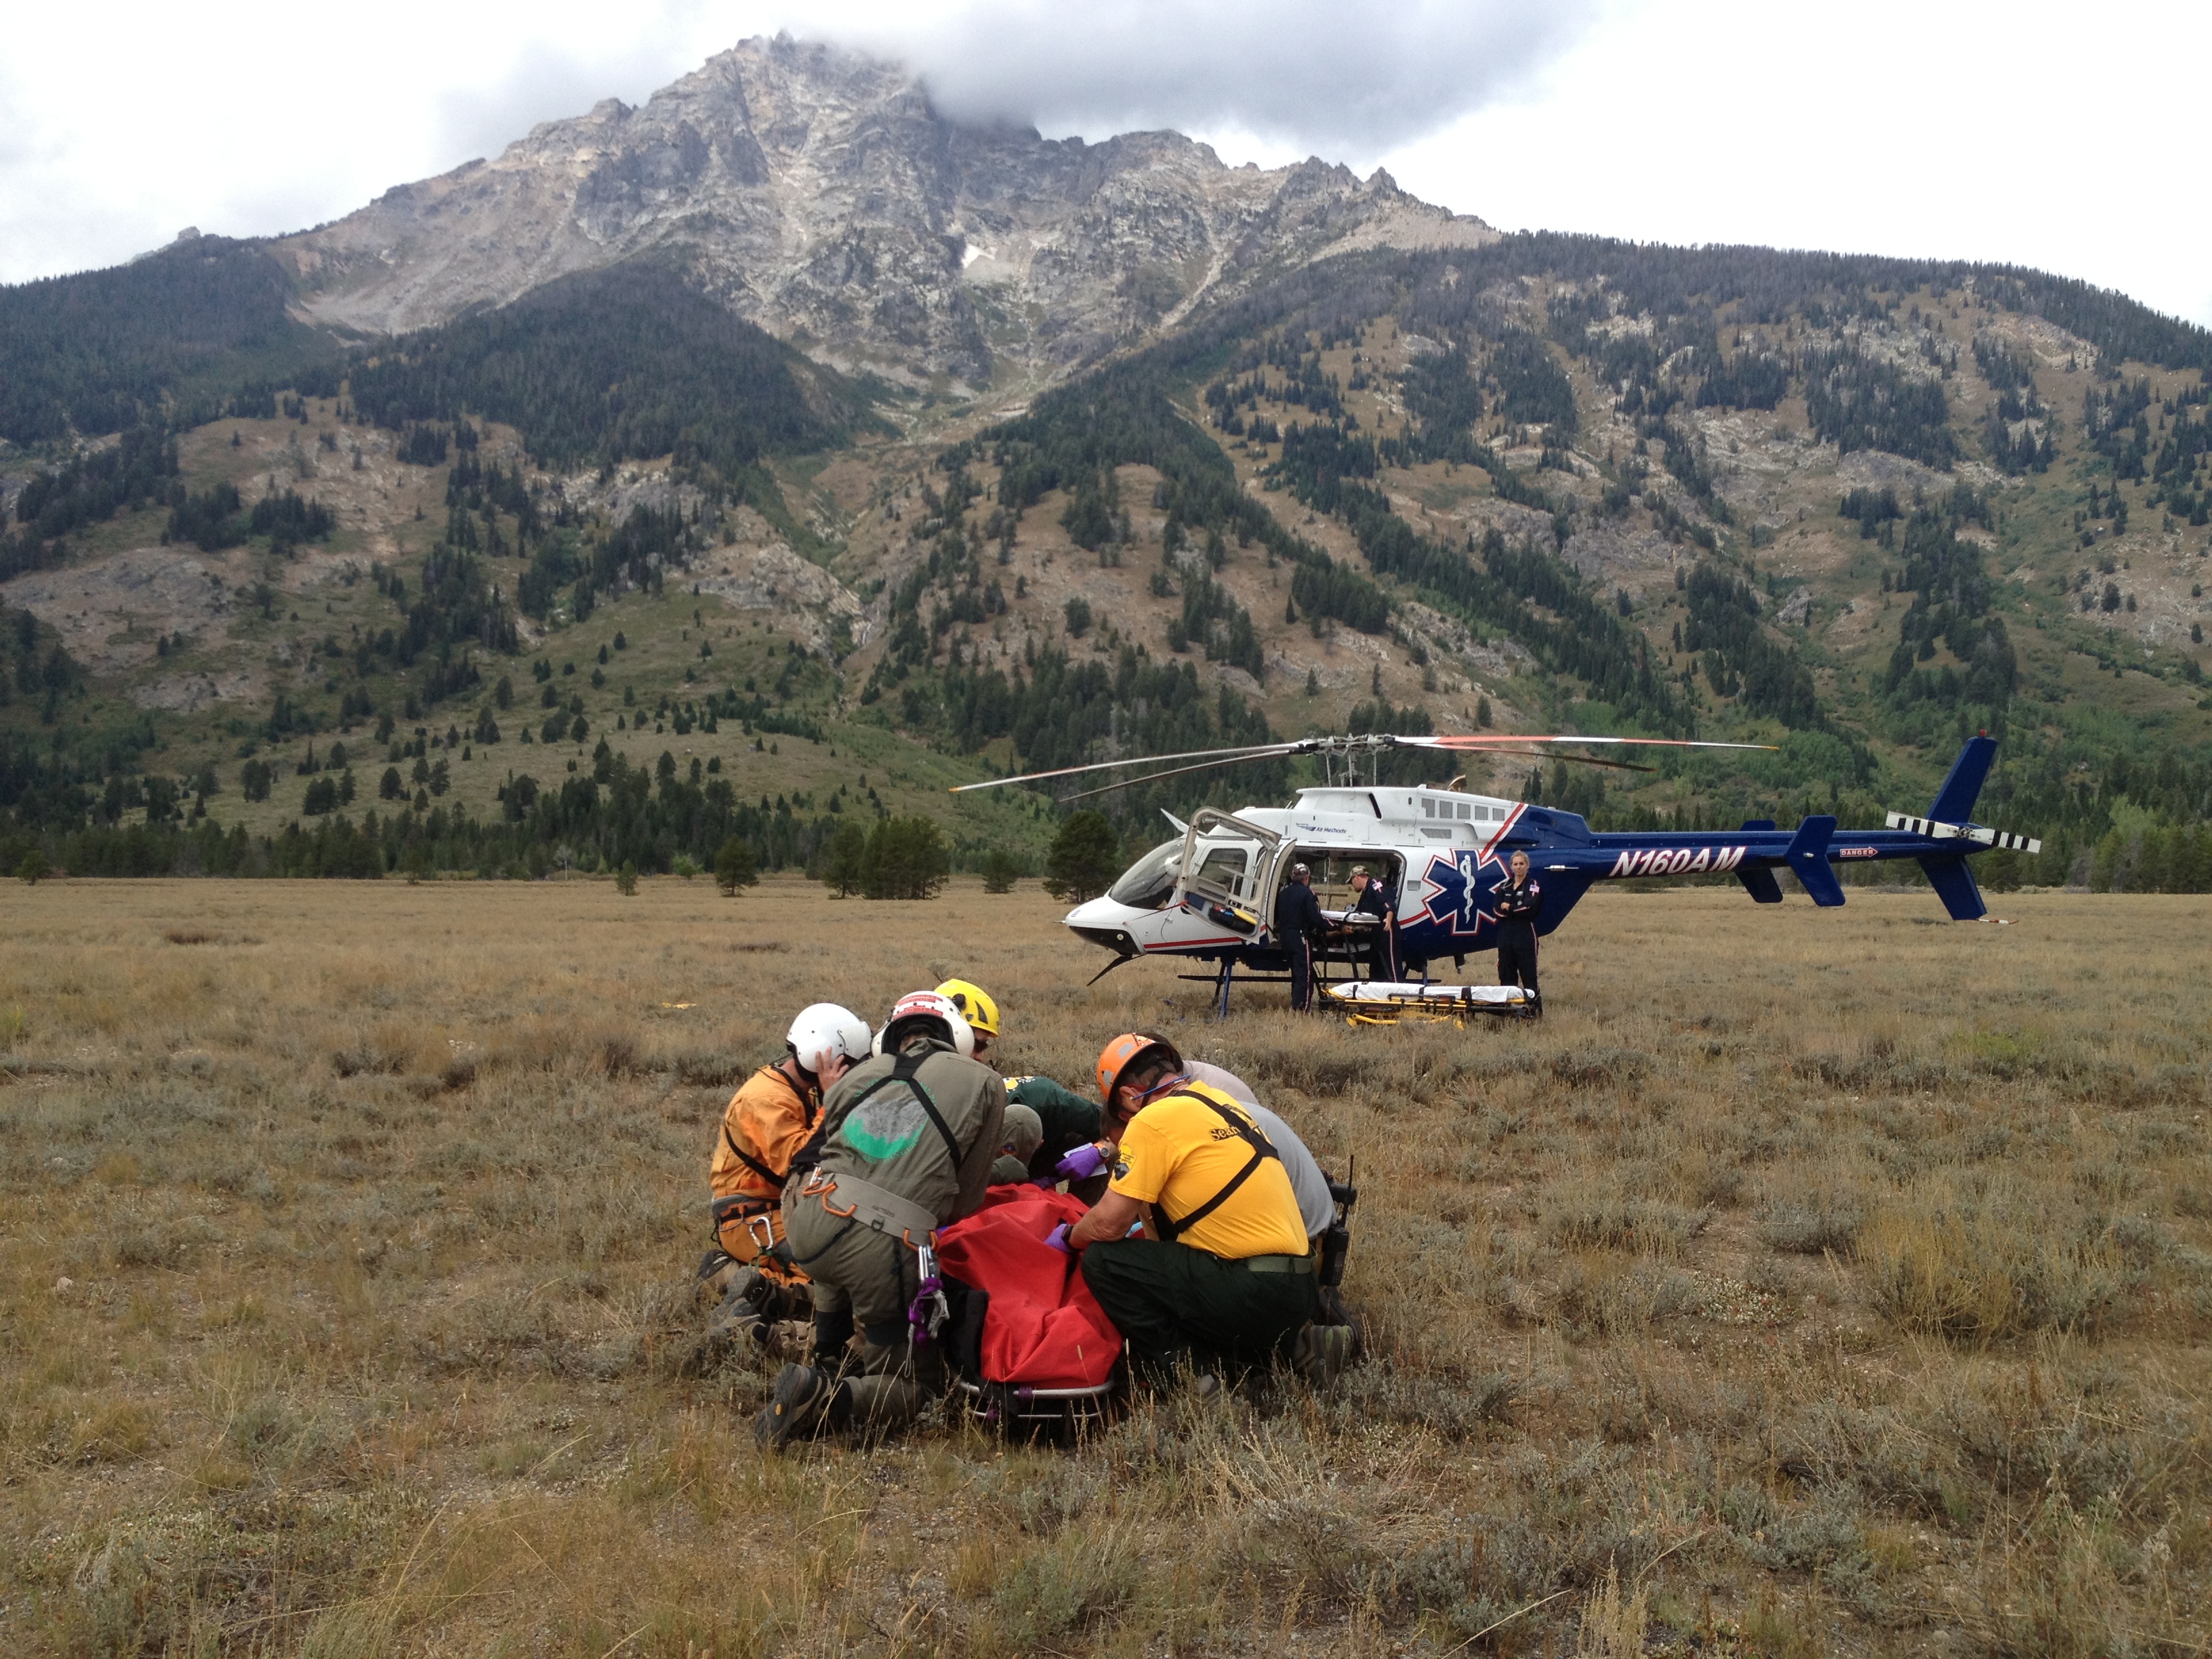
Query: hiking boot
715	1271
800	1404
736	1323
1321	1353
883	1403
790	1338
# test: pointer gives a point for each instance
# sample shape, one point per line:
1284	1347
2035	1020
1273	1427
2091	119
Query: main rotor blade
1253	752
1510	754
1174	772
1472	741
1315	745
1571	760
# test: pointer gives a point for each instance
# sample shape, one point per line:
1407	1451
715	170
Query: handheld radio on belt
1336	1239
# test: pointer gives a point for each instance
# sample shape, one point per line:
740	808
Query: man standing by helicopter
1298	922
1520	902
1370	897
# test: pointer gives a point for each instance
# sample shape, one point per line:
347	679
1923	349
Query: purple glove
1086	1162
1058	1238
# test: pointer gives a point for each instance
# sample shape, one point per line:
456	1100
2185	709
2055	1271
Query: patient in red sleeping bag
1029	1319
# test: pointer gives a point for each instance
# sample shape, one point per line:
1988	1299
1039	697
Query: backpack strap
1247	1132
906	1070
752	1163
747	1158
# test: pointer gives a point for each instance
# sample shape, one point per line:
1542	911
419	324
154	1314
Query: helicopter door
1225	859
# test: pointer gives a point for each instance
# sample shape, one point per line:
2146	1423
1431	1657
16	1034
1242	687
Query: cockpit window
1149	883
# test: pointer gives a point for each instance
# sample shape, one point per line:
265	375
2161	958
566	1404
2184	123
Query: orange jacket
768	1121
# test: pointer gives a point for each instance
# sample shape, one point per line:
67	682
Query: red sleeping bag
1043	1328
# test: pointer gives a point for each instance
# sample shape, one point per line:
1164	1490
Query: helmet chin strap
813	1077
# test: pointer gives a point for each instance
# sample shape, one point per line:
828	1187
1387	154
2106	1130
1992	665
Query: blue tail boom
1940	843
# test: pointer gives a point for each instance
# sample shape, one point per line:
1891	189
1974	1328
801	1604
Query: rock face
819	194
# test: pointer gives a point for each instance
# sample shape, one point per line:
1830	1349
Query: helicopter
1208	896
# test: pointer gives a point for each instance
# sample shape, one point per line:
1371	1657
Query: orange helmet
1117	1057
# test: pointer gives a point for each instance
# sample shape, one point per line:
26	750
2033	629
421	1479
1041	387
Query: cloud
1315	73
255	118
111	138
1899	126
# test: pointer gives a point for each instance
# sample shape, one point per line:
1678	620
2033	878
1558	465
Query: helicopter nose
1106	921
1102	913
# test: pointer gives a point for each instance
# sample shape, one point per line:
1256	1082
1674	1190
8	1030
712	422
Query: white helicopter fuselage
1212	893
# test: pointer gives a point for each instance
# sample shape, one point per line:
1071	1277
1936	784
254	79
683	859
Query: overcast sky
2067	136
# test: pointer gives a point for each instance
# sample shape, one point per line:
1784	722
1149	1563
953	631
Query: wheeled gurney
1385	1002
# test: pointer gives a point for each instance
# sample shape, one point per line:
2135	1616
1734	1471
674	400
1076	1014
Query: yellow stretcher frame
1384	1003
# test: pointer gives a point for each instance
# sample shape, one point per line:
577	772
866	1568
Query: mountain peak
818	192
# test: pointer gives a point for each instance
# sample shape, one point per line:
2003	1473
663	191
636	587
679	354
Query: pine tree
734	867
1085	859
847	852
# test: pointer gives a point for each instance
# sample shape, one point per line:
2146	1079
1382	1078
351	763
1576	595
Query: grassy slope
344	1309
245	659
862	504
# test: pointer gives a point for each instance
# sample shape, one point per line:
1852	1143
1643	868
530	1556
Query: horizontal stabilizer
1758	881
1759	824
1808	859
1954	801
1973	832
1955	884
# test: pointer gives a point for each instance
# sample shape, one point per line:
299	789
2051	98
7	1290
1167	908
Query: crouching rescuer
905	1147
770	1118
1223	1277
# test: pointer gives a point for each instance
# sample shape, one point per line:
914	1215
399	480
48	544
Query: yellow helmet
975	1004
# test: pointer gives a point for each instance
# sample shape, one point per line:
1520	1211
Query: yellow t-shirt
1178	1152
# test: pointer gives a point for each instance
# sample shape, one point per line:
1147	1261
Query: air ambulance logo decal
1457	885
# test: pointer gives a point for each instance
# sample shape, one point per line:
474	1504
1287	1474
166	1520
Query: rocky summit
820	195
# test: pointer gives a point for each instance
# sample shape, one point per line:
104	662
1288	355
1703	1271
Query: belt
756	1216
876	1207
1277	1264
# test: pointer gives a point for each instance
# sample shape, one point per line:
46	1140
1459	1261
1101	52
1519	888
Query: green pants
860	1276
1173	1302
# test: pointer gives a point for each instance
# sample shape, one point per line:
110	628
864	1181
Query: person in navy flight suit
1371	897
1298	923
1520	901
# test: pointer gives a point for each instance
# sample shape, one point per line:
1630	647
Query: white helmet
930	1005
823	1027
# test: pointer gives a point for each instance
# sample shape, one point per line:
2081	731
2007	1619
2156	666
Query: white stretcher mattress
1401	992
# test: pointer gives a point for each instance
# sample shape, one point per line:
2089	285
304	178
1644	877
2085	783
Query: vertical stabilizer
1808	860
1955	884
1954	801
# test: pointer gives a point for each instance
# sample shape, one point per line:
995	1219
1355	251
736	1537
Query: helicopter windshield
1149	883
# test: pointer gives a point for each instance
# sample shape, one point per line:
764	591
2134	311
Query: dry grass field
1805	1283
